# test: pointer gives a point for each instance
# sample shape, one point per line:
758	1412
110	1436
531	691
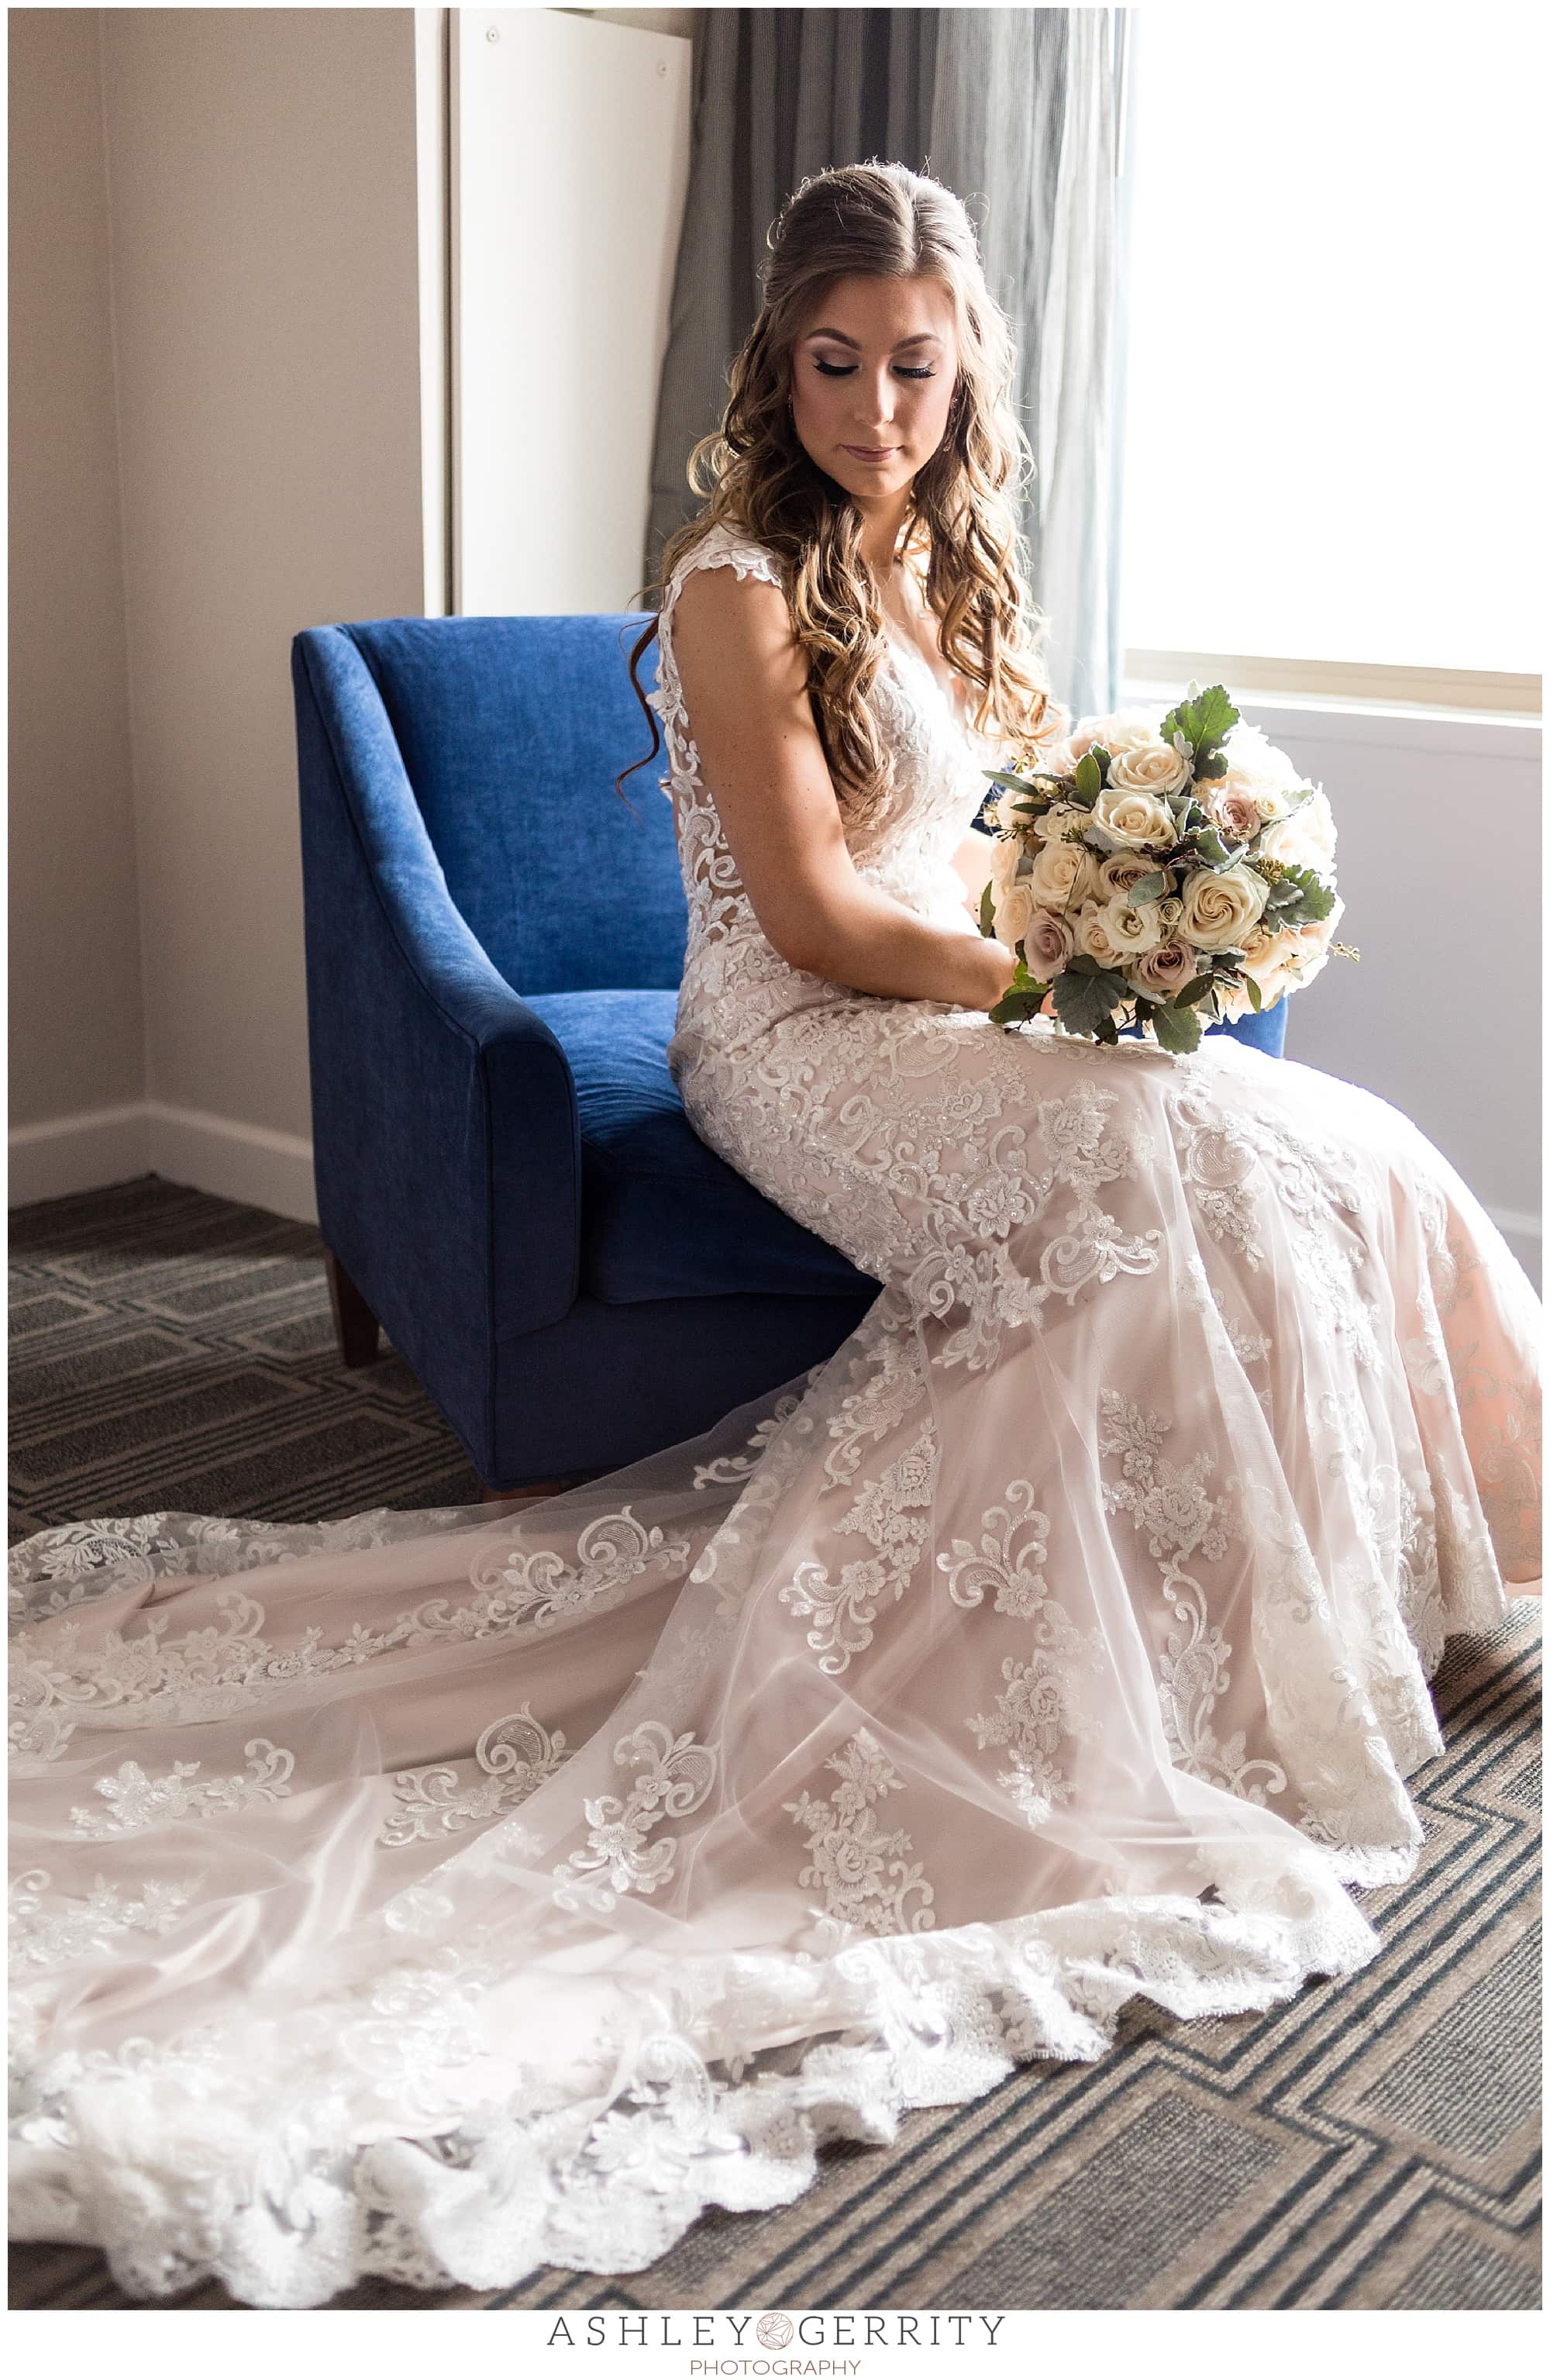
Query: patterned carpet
1372	2144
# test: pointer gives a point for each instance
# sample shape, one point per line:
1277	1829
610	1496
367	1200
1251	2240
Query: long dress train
438	1894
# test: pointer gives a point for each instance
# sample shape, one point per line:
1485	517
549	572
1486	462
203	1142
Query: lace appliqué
890	1515
516	1755
1169	1506
40	1936
136	1801
153	1679
863	1871
676	1777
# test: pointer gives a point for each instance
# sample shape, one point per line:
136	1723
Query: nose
878	419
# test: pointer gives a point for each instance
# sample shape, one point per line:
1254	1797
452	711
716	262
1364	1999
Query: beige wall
263	219
221	222
78	1027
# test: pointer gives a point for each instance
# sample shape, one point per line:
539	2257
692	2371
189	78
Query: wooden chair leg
355	1325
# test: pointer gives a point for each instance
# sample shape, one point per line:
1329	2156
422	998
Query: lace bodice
735	983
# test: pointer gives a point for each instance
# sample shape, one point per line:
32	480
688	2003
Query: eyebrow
915	339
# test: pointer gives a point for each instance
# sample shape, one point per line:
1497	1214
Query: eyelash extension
843	372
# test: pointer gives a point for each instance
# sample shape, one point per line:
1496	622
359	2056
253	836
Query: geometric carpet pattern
1372	2144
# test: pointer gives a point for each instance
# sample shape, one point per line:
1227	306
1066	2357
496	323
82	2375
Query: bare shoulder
733	636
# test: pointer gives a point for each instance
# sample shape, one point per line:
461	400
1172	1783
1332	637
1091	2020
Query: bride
440	1894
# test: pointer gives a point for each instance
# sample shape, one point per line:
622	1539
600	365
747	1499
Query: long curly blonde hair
876	219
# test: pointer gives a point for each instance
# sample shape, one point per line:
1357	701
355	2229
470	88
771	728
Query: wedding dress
439	1894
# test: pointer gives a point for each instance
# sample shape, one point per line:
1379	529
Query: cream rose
1014	912
1237	814
1131	930
1306	839
1058	820
1116	730
1162	972
1005	860
1091	934
1220	908
1154	768
1127	868
1063	875
1130	820
1049	945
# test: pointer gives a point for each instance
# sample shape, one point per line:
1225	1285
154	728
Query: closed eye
907	371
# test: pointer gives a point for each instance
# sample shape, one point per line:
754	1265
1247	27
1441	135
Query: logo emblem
773	2330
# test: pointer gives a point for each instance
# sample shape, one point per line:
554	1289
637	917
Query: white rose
1128	929
1129	820
1154	768
1219	908
1063	875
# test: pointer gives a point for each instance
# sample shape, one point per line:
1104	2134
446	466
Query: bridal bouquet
1147	871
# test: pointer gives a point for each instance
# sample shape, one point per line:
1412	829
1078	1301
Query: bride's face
872	381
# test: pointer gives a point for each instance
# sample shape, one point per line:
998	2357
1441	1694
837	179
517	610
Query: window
1333	408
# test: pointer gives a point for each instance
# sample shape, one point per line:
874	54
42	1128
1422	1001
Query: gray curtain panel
1017	110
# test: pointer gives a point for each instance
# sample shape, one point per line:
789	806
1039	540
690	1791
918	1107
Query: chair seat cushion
662	1215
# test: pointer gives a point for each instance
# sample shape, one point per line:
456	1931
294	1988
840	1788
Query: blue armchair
506	1181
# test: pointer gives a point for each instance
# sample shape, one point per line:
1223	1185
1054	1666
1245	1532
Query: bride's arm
744	678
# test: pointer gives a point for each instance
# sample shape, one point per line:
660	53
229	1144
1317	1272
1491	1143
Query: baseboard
208	1152
79	1152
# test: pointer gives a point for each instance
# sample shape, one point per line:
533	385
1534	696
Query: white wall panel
570	164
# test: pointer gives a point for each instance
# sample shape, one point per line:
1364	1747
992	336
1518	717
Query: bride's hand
996	965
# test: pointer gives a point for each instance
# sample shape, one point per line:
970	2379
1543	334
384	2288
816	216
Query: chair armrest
446	1131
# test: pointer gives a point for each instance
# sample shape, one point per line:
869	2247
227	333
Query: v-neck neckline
903	642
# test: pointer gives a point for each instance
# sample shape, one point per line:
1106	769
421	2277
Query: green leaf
987	911
1005	777
1255	1001
1203	720
1193	991
1082	1001
1088	782
1102	756
1298	898
1148	888
1177	1029
1022	1001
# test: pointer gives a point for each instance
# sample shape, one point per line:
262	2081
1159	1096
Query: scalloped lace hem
179	2187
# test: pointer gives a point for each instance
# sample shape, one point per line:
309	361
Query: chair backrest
512	732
